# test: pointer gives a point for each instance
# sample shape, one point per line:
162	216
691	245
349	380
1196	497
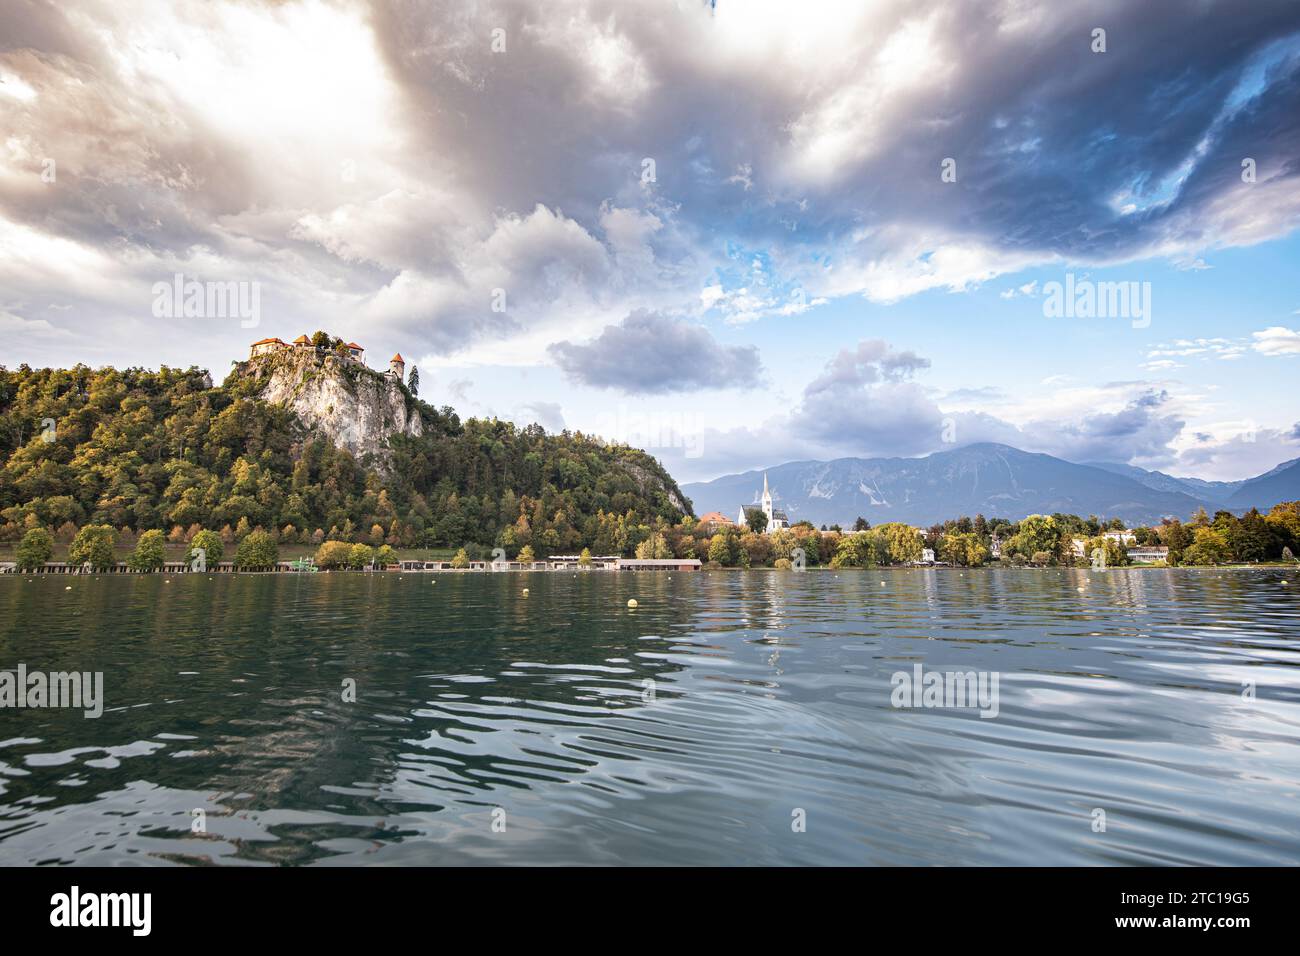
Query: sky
735	234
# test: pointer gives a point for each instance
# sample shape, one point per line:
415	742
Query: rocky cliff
354	406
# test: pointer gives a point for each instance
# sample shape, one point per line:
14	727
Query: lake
1142	717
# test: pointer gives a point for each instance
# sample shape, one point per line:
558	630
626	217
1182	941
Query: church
776	520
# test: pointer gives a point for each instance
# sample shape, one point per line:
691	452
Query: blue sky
736	234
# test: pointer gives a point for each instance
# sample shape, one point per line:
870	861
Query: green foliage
213	548
142	450
964	549
148	554
35	549
1209	547
904	545
461	560
361	556
333	554
257	550
94	545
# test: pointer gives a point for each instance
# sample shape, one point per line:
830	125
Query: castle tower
397	366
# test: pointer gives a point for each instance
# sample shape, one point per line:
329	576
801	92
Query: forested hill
141	449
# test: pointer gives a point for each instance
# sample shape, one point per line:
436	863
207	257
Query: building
349	352
266	347
715	521
995	547
657	564
776	520
1148	554
397	367
1122	538
927	555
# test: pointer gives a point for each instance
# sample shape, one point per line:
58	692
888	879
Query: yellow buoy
631	602
525	592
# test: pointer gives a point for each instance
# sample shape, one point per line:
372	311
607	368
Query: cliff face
355	407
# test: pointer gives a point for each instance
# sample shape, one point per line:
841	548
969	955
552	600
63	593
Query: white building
776	520
1122	538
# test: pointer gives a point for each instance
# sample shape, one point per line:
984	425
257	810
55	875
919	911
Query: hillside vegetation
139	450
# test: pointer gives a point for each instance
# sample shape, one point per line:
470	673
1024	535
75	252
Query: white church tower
767	501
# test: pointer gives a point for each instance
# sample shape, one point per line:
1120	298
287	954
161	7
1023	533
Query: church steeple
767	499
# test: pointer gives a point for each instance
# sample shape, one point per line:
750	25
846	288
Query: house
1148	554
927	556
776	520
356	351
995	547
715	521
1122	538
266	347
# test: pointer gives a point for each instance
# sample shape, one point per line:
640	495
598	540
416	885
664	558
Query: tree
461	560
209	542
413	381
94	545
584	559
384	556
1177	538
963	548
35	549
655	547
1208	548
756	520
333	554
526	555
148	554
257	550
361	556
1114	553
720	550
903	543
862	524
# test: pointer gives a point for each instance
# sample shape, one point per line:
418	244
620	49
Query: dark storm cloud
652	353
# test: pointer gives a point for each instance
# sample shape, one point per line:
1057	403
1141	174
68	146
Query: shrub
94	545
333	554
148	554
35	549
257	550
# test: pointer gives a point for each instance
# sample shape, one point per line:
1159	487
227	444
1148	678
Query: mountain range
990	479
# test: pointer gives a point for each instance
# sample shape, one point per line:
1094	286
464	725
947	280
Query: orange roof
715	517
302	340
267	342
398	358
353	345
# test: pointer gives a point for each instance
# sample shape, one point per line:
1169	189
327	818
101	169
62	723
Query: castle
348	351
776	520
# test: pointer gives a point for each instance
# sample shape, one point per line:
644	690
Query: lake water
732	718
